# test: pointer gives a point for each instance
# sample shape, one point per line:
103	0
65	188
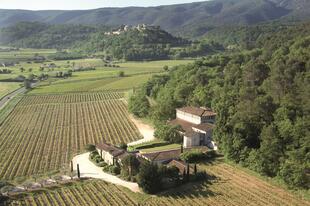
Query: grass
8	108
8	87
145	145
161	148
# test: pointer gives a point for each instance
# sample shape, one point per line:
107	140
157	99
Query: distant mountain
191	19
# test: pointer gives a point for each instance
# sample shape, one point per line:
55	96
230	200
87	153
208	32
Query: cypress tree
78	171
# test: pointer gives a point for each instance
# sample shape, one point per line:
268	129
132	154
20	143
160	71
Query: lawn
161	148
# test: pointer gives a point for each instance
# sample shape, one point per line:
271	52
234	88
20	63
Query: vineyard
231	186
43	132
87	193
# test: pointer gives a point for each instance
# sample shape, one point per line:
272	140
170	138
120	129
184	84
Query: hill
192	19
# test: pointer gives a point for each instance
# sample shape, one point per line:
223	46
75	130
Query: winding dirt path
146	130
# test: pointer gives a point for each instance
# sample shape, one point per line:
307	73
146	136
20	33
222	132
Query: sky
83	4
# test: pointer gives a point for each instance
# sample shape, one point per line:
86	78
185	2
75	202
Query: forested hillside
193	19
149	43
41	35
261	98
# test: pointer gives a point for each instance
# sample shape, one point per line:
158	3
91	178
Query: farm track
43	132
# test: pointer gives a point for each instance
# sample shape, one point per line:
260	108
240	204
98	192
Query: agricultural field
86	193
229	186
8	87
43	132
112	83
24	54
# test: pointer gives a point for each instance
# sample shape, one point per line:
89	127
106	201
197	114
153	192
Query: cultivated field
230	186
8	87
43	132
87	193
103	84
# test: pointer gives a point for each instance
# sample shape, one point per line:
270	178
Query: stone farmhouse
111	154
197	125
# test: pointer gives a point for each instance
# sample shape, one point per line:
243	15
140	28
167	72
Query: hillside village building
197	126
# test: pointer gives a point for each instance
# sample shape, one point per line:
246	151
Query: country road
4	100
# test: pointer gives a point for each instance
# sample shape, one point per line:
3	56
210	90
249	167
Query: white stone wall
106	156
188	117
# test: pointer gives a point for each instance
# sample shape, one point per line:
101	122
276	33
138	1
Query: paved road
89	169
7	98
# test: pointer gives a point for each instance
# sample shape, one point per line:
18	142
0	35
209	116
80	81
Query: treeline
262	100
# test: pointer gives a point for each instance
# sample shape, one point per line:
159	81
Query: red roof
188	127
114	151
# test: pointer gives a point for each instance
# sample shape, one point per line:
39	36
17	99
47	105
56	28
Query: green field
161	148
8	87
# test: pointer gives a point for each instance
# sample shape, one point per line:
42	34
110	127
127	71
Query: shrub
115	170
90	147
93	154
121	73
98	159
193	156
149	178
168	133
139	105
102	164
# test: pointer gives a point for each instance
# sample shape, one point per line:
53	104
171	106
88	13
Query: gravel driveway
90	170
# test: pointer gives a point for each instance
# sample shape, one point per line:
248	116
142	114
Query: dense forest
261	97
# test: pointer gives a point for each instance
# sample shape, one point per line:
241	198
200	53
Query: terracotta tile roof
114	151
163	156
188	127
198	111
180	165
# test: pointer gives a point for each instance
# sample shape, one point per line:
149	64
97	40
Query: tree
138	104
168	133
130	165
22	69
90	147
121	74
78	171
166	68
27	84
149	178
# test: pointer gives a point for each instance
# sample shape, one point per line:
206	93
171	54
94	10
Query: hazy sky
82	4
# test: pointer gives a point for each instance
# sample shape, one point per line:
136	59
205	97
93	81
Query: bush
193	156
101	164
121	74
149	178
168	133
93	154
115	170
139	105
90	147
